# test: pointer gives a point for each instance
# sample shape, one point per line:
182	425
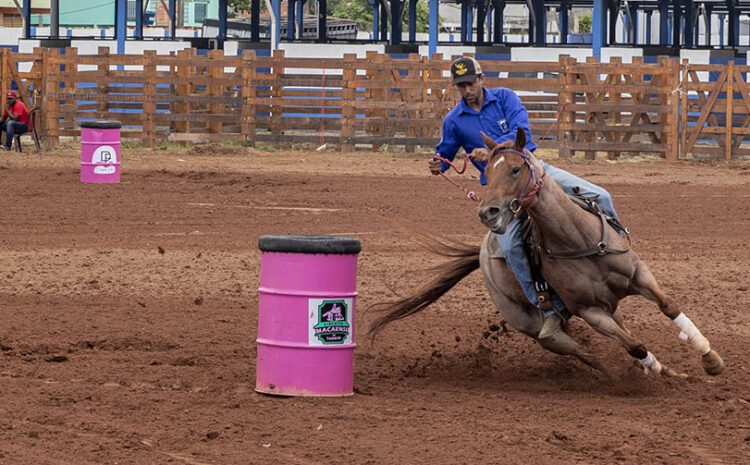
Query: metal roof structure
677	25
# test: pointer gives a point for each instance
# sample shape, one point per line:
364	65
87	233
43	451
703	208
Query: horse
588	263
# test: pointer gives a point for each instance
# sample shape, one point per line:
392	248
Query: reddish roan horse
584	259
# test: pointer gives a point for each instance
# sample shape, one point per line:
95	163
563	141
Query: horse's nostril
489	213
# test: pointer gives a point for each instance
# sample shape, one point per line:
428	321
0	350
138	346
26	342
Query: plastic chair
31	132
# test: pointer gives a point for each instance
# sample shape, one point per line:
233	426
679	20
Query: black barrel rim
101	124
312	244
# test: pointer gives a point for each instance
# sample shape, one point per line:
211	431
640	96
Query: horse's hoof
712	363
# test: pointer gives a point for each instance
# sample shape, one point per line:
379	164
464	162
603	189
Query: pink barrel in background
100	151
308	287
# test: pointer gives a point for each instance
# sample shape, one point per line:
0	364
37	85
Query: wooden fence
666	107
715	110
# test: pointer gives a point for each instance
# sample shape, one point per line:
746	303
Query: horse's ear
491	144
520	139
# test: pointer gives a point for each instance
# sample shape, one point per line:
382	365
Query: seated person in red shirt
15	119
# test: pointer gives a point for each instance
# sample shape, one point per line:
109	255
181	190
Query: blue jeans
512	241
12	128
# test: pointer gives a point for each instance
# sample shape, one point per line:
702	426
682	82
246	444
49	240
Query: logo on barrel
332	325
103	155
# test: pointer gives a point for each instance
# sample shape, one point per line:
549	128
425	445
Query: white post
274	25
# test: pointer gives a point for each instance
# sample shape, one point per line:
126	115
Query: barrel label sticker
330	322
105	169
104	154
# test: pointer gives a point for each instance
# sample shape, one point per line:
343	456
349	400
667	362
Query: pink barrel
100	151
308	287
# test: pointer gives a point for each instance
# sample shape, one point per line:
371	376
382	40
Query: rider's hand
434	165
480	154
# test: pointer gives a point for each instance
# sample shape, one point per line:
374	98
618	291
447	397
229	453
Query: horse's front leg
645	284
602	321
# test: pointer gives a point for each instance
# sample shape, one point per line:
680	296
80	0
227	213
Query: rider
498	113
14	120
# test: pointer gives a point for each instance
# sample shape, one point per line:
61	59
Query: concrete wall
91	47
66	32
298	50
448	50
542	53
9	37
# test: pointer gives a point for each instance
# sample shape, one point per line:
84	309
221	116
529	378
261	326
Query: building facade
10	16
190	13
101	13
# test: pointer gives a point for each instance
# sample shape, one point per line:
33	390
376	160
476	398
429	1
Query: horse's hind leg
644	283
603	322
562	344
617	316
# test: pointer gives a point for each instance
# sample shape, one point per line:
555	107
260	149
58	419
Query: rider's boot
554	318
552	324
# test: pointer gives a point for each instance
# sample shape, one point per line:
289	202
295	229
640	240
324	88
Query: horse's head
509	176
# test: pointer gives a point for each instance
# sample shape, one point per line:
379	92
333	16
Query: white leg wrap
650	364
690	333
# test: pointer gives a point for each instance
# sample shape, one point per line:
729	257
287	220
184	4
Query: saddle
590	203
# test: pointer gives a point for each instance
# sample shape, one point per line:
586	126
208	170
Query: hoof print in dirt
363	391
183	362
556	437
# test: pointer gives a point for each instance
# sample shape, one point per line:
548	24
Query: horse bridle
525	195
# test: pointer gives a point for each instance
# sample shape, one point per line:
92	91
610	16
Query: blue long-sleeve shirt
501	114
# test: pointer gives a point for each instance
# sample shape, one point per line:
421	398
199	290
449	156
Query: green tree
423	17
239	6
355	10
361	12
584	23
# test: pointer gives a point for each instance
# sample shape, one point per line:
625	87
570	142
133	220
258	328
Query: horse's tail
464	260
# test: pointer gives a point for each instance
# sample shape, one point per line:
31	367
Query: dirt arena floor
128	318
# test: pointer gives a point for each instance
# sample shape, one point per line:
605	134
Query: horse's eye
515	170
